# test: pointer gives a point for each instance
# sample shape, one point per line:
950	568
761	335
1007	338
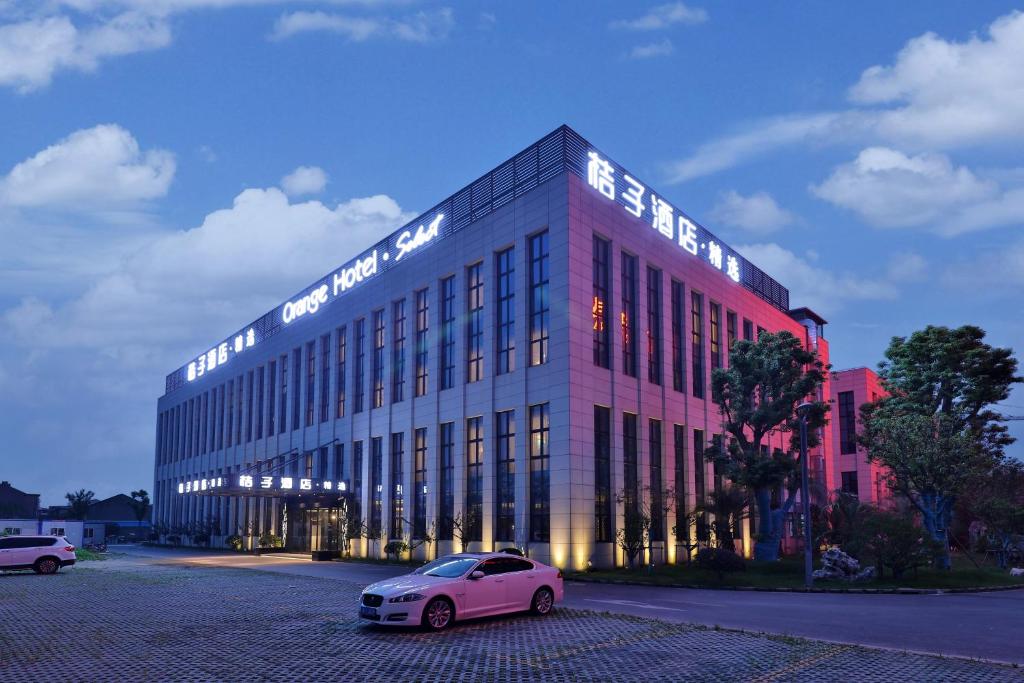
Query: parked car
42	554
463	586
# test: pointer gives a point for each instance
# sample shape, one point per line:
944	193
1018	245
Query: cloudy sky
170	169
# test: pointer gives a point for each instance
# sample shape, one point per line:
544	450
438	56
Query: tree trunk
933	514
766	549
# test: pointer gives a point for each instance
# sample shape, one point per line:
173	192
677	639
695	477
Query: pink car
43	554
463	586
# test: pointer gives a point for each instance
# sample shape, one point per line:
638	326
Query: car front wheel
543	601
438	614
47	565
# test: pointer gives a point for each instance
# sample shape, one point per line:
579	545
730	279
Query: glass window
230	416
678	337
474	323
715	313
325	377
730	329
376	486
627	317
539	304
602	474
397	494
446	481
419	512
357	479
599	305
630	474
296	395
448	567
340	387
849	483
847	423
748	330
271	398
360	361
679	447
398	351
378	358
248	407
310	382
505	489
447	337
654	325
474	478
540	488
697	337
657	532
505	320
421	341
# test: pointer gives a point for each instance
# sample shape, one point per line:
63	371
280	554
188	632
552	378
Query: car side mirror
476	575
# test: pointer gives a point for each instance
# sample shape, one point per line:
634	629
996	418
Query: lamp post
805	493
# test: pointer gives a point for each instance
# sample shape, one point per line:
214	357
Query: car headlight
408	597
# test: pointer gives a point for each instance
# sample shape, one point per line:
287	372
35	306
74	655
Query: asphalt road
986	626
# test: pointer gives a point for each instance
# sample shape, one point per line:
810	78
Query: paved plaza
133	619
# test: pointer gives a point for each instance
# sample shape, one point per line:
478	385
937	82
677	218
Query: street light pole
805	494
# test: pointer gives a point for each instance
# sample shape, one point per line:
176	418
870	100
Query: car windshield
448	567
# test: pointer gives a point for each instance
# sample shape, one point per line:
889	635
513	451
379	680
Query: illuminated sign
407	241
258	482
195	485
220	355
637	199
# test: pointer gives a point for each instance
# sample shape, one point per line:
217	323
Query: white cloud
820	289
990	270
661	48
890	189
661	17
937	95
304	180
93	168
421	27
756	213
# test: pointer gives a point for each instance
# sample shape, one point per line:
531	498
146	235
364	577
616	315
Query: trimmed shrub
720	561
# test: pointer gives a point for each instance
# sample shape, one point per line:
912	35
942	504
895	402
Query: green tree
79	502
936	431
140	504
998	502
727	507
757	395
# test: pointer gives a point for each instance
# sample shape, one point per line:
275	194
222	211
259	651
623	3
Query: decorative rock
1017	571
835	564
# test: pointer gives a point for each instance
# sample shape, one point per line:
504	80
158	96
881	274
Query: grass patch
789	573
83	555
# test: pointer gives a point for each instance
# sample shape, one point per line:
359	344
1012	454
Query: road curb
765	589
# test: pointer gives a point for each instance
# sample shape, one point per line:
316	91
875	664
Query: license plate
370	612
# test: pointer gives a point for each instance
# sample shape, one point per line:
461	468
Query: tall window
540	474
325	377
627	318
376	486
505	486
715	320
397	497
357	480
378	358
697	336
445	480
248	406
748	330
678	336
398	351
847	423
238	411
419	482
505	339
231	412
602	474
679	449
654	325
422	321
360	359
474	478
310	382
338	473
340	388
849	483
447	337
539	301
321	465
271	397
698	465
296	378
205	415
474	323
282	410
630	475
657	532
599	304
730	329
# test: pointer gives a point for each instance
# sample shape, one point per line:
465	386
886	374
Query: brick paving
127	619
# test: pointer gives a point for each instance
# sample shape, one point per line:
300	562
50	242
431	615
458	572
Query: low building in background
849	470
120	520
15	504
78	532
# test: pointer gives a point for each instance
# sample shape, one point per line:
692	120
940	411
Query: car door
486	595
22	554
521	582
7	552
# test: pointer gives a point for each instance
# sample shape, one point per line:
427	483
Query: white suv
42	554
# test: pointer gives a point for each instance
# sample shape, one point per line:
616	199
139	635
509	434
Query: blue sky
171	169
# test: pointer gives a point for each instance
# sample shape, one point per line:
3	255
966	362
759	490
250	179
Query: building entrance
308	529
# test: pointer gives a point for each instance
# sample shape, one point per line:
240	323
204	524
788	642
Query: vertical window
378	358
698	466
730	329
474	323
697	336
849	483
474	478
422	322
360	359
505	486
540	477
715	320
539	300
376	486
445	480
630	475
678	336
204	414
357	479
398	351
679	450
238	411
657	532
259	401
271	397
248	406
339	410
847	423
653	325
220	418
231	411
748	330
338	473
397	497
296	395
419	500
602	474
325	377
505	265
447	337
321	465
310	382
283	408
627	318
599	305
